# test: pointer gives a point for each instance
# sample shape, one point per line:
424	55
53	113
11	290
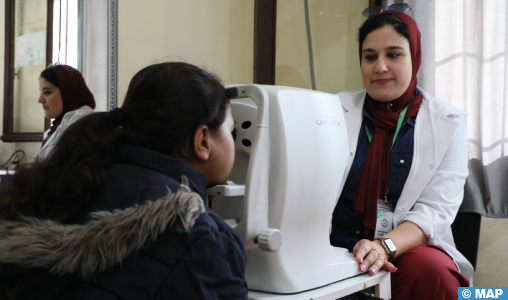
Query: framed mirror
28	51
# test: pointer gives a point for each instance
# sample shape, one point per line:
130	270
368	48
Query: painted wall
216	35
333	28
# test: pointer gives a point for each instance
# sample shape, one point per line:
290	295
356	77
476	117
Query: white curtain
95	50
465	63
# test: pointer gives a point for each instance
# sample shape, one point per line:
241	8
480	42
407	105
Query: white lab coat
434	188
67	120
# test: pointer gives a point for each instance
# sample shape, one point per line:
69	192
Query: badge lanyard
399	123
45	140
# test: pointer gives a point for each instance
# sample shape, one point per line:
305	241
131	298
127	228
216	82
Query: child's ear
202	143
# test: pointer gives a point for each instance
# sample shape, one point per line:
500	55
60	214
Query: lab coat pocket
400	167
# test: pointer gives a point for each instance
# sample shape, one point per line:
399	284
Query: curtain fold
95	50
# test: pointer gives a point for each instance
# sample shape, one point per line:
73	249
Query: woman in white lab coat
408	159
65	97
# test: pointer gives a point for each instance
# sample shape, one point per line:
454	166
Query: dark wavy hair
164	105
379	21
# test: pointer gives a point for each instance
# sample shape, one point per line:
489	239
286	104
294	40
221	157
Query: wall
216	35
333	25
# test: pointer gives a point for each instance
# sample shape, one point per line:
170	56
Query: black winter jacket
147	237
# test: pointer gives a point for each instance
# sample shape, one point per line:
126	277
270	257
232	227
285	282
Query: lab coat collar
434	130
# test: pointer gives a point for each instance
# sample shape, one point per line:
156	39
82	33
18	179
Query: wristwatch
389	246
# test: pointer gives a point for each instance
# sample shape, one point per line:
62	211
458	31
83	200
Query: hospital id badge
384	223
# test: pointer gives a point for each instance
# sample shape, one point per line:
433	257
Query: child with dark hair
116	210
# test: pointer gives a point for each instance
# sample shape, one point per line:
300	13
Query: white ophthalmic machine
291	152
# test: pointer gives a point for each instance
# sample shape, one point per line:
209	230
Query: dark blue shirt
347	230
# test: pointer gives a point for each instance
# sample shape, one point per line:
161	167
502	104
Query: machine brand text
327	123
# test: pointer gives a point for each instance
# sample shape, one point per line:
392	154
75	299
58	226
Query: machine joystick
269	240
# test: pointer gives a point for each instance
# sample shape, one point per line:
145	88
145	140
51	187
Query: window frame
8	122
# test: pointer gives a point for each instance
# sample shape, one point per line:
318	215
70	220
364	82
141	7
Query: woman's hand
372	255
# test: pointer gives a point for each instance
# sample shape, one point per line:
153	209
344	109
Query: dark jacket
147	237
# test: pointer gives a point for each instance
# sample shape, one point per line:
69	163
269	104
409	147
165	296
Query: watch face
390	245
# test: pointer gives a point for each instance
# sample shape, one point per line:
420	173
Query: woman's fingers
370	260
372	257
378	263
388	266
361	250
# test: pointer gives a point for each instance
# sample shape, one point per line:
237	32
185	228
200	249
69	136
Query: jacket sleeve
437	206
213	268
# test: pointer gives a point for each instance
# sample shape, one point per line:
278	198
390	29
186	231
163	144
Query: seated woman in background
116	210
408	156
65	97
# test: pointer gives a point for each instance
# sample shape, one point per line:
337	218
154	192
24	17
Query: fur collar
106	240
